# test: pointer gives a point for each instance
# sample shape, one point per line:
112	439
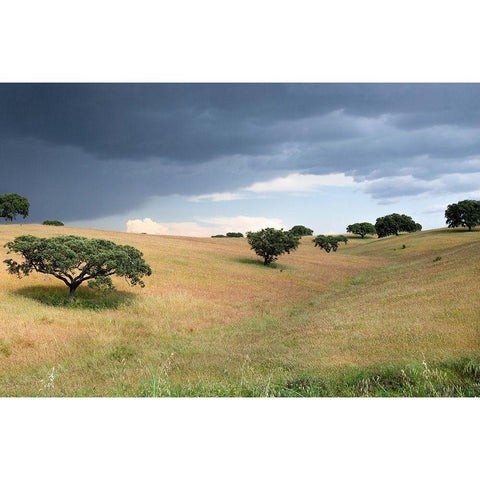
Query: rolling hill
398	315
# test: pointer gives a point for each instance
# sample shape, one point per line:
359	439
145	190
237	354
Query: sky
205	159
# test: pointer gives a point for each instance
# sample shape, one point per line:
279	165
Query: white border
239	438
261	41
279	41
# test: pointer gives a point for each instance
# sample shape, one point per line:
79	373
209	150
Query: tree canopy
301	230
12	204
329	242
395	223
270	243
56	223
361	229
228	235
463	214
74	260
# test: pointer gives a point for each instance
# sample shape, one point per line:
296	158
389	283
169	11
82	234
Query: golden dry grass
211	314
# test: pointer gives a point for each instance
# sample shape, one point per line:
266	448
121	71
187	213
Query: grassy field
392	316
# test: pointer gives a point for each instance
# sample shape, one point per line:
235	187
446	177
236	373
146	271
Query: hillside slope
213	320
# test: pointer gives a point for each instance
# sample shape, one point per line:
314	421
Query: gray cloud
89	150
404	186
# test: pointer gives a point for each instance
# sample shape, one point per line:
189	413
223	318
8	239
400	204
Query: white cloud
242	223
203	227
217	197
295	182
298	182
147	225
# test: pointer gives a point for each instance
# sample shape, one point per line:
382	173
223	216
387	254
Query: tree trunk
469	228
73	288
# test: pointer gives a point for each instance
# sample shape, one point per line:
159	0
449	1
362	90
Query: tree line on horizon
465	213
270	243
74	260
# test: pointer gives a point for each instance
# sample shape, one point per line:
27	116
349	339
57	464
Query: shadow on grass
85	298
254	261
368	237
458	230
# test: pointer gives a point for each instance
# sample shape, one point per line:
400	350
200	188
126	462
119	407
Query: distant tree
463	214
329	242
395	223
218	236
270	243
74	260
385	226
361	229
301	230
418	227
12	204
234	234
56	223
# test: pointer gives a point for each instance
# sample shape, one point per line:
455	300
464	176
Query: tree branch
64	280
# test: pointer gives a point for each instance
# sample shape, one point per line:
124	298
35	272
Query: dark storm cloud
88	150
66	183
197	122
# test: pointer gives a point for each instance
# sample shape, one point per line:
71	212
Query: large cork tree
75	260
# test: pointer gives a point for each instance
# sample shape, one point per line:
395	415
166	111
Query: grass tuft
5	348
121	353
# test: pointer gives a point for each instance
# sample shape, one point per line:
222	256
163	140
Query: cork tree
75	260
12	205
301	230
270	243
463	214
329	242
395	223
362	229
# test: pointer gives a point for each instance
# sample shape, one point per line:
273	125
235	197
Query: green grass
458	378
